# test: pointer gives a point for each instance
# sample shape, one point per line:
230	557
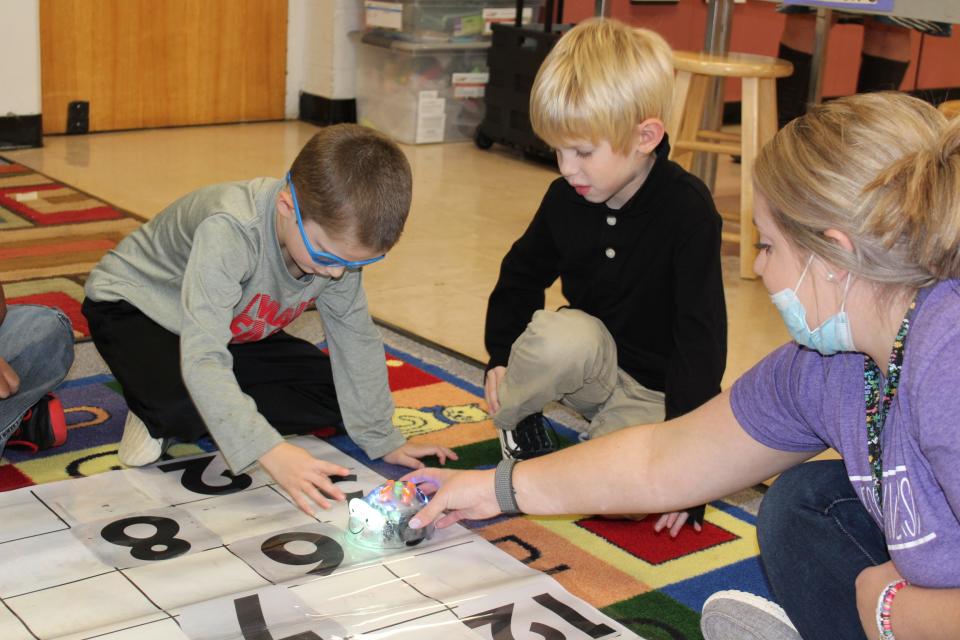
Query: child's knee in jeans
56	333
50	331
48	323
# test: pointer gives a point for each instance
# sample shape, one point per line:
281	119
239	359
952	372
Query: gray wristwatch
503	487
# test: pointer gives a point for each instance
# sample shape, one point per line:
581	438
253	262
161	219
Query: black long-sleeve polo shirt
649	271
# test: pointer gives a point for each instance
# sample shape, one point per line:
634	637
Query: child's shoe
533	436
137	446
43	426
736	615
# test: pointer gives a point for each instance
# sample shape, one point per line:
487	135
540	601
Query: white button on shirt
611	220
610	253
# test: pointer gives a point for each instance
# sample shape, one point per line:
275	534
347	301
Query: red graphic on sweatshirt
262	317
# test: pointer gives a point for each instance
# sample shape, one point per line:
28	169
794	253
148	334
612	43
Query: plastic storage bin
443	20
418	92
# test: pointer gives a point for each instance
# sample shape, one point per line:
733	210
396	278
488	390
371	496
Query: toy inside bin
421	92
443	20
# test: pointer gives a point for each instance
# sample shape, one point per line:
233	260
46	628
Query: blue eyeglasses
322	257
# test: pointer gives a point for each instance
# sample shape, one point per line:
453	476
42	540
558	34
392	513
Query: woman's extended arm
642	469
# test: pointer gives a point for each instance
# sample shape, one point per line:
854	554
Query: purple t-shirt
797	400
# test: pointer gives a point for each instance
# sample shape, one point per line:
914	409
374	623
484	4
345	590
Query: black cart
515	55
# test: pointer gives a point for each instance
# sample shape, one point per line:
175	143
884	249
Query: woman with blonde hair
858	211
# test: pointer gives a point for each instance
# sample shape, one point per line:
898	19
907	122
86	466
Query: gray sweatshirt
209	268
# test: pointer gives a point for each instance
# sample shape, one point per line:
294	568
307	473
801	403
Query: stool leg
749	145
768	111
692	112
681	90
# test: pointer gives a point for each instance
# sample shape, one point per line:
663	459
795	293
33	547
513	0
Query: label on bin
504	15
468	26
388	15
431	117
470	85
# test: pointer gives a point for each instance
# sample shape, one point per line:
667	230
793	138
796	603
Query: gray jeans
570	357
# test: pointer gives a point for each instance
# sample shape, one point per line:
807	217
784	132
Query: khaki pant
570	357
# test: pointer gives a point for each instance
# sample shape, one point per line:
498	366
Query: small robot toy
381	519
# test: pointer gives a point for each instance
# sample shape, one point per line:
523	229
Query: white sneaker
736	615
137	446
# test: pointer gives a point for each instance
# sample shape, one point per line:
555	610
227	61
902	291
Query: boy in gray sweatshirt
188	312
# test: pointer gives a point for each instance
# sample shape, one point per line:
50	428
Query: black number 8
162	545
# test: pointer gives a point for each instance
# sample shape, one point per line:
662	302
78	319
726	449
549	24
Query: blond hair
599	82
883	168
355	183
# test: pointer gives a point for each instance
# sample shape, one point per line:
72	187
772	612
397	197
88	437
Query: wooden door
160	63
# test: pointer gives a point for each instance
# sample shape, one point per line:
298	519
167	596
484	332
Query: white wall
20	57
296	55
321	57
330	61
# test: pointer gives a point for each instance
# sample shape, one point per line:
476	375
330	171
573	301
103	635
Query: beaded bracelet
884	604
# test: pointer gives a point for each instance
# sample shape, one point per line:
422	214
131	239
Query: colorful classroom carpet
651	583
51	235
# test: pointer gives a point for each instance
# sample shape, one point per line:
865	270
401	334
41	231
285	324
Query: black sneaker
43	426
533	436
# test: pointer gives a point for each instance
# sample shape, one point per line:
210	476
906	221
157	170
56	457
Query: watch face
381	519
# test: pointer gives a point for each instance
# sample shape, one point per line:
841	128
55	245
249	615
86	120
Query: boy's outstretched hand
466	495
409	454
305	479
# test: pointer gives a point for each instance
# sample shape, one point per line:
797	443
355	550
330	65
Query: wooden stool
758	122
950	108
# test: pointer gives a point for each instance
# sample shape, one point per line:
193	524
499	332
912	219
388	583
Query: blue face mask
831	336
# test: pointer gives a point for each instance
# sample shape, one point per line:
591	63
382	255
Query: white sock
137	447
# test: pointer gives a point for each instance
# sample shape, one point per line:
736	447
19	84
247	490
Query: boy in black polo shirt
635	241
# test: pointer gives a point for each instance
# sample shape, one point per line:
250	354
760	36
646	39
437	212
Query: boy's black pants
290	379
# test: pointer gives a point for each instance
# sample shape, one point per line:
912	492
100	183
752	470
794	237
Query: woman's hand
456	496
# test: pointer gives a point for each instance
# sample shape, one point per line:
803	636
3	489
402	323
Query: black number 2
162	545
350	478
192	478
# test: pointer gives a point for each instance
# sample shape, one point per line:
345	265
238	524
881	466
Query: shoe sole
58	420
505	447
752	600
509	454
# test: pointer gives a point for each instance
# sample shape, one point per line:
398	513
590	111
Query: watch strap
503	487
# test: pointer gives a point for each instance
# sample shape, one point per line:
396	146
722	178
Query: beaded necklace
877	408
